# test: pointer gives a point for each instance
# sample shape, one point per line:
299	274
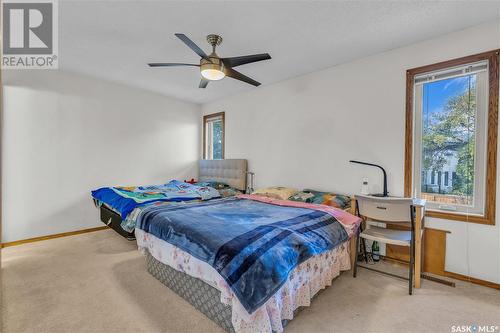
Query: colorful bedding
305	281
322	198
124	199
252	242
129	223
276	192
223	189
349	222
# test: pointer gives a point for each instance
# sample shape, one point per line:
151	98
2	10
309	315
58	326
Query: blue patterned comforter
253	245
124	199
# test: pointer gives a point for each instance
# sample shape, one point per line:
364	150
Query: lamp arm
385	194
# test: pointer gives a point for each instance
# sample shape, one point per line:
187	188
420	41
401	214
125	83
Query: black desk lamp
385	194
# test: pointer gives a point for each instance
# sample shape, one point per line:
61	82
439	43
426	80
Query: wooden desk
419	232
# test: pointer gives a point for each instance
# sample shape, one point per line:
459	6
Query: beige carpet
97	282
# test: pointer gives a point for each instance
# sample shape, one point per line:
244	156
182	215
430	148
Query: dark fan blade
203	83
238	76
193	46
237	61
169	64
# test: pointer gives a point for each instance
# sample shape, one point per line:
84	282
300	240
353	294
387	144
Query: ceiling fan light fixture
212	71
214	68
212	74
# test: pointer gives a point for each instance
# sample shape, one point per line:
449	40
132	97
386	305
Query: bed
209	274
209	284
231	172
214	290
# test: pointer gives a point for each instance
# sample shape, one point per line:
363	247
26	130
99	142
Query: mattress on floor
305	281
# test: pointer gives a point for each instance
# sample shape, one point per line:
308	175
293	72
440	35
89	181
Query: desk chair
387	210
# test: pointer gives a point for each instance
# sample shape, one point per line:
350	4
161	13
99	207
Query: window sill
480	219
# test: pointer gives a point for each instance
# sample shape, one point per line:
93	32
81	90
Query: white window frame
208	121
481	135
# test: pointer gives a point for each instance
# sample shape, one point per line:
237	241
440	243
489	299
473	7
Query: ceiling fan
214	68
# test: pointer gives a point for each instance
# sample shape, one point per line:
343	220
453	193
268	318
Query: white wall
65	135
302	132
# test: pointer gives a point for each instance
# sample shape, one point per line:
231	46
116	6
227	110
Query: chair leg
412	263
355	268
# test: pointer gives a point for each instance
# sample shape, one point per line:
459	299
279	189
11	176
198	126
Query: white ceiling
114	40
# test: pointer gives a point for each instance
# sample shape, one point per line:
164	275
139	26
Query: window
451	128
213	136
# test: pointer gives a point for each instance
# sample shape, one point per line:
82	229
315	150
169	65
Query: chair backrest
385	209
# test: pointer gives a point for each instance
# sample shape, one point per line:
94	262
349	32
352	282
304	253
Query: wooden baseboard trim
42	238
472	280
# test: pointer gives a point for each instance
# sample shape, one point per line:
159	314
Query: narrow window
213	136
452	112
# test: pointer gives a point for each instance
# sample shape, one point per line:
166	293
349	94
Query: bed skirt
201	285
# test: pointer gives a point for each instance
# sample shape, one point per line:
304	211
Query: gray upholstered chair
387	210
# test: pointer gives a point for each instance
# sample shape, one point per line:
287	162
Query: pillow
302	196
330	199
276	192
229	192
213	184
